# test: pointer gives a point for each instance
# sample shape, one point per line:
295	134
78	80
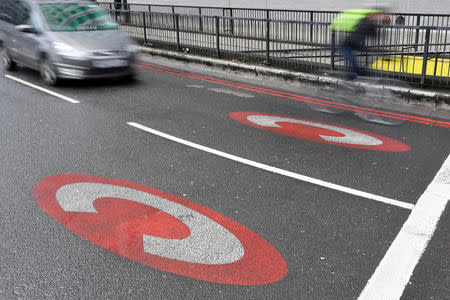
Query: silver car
73	39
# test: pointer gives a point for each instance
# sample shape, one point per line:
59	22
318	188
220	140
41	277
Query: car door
7	27
27	43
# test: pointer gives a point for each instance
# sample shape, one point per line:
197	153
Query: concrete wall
418	6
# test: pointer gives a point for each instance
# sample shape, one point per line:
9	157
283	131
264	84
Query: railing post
126	8
200	19
425	55
145	28
173	16
150	15
436	64
231	21
268	61
311	19
116	13
417	32
333	49
219	55
177	28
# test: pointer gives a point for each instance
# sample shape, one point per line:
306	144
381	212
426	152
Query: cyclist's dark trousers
349	56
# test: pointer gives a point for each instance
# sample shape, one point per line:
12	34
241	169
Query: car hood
92	40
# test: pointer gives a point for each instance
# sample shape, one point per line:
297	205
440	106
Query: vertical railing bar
173	16
218	37
425	55
145	28
333	49
116	13
436	64
268	61
417	31
200	19
177	28
231	21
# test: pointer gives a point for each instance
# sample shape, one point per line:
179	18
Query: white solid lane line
393	273
43	89
276	170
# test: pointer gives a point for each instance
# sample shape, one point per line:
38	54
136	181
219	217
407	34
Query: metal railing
419	54
408	19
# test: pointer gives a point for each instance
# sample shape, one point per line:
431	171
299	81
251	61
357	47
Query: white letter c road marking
350	137
209	242
159	229
319	132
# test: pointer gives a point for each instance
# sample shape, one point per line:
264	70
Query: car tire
6	60
48	73
130	78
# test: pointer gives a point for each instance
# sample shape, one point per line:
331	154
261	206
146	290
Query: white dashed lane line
276	170
65	98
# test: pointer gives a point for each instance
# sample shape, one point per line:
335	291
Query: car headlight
68	51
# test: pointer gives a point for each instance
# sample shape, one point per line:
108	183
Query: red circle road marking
159	229
319	132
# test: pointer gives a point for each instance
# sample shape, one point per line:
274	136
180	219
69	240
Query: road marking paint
208	242
276	170
393	273
195	86
159	229
398	116
231	92
319	132
349	136
43	89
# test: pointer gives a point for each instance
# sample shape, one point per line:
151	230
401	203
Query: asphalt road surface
193	183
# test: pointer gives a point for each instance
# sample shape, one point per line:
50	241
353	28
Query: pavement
299	204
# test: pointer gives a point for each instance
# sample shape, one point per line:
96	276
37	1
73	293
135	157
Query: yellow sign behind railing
413	65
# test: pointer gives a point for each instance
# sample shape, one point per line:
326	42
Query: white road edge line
276	170
43	89
395	269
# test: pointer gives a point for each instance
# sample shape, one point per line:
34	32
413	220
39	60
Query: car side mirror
26	28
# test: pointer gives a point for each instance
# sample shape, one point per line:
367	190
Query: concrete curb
436	97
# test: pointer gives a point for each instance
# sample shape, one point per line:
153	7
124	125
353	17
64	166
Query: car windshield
76	17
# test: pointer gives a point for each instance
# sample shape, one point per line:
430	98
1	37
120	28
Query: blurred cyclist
357	26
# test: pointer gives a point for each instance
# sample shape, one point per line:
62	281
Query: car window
20	12
76	17
6	10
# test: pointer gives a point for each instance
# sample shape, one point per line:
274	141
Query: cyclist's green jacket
349	20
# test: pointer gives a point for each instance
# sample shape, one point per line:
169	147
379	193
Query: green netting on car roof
76	16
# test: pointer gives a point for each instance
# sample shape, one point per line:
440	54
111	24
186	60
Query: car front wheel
7	62
48	74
